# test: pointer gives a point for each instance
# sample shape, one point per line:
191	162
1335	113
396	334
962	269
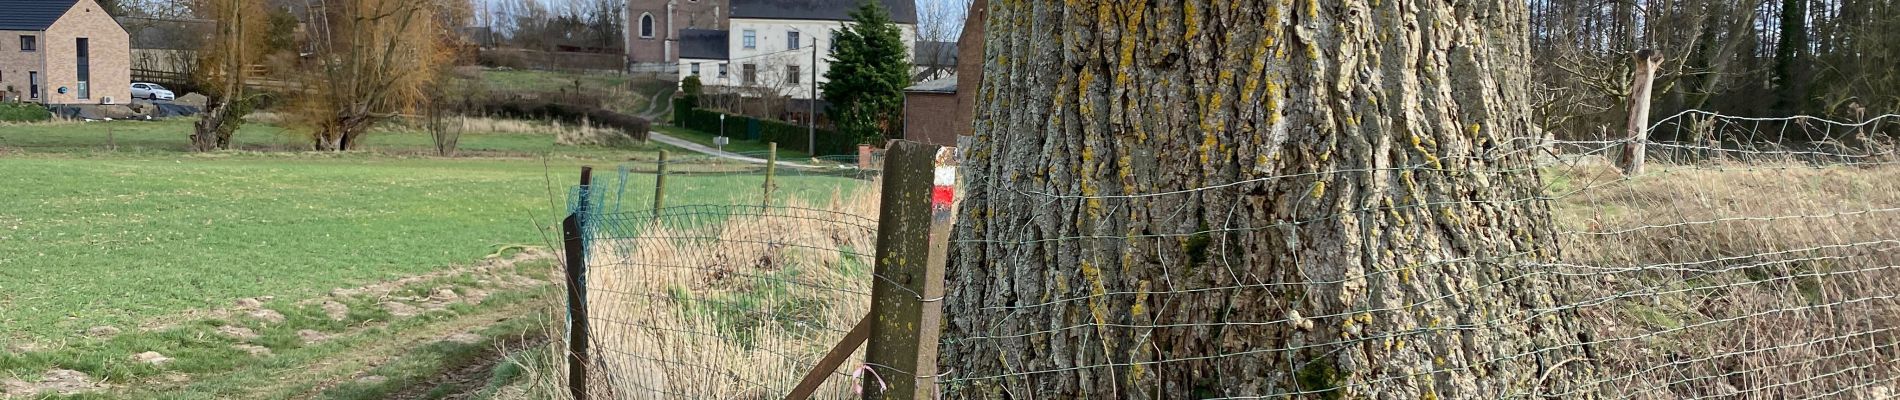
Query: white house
777	45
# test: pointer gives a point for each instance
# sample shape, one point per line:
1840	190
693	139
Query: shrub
23	112
789	136
635	128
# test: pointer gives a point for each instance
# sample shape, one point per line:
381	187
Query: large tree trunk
1170	200
209	132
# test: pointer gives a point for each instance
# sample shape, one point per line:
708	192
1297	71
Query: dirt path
467	380
658	106
357	362
491	265
702	149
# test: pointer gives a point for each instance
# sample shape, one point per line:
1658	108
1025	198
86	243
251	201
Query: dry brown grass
728	303
1723	280
565	133
1737	280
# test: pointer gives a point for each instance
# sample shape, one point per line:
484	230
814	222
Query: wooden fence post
1641	85
907	292
771	169
575	254
659	185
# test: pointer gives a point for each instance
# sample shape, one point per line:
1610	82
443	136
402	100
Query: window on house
722	71
791	40
646	26
695	69
751	72
834	40
792	71
83	48
751	39
29	43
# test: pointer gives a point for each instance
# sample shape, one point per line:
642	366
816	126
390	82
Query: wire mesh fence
726	290
1746	269
1748	263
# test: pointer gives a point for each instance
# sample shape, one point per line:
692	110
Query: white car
151	91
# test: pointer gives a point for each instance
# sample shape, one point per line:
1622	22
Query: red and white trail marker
943	191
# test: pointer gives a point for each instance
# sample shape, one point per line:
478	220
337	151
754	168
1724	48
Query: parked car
151	91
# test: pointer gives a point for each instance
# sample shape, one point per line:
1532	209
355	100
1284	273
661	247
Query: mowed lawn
92	237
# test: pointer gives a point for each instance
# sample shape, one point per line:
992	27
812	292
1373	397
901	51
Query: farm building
63	52
931	114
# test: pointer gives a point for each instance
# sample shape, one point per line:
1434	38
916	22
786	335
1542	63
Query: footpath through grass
116	240
91	237
736	145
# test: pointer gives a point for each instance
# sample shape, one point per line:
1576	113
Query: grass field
171	137
620	92
137	231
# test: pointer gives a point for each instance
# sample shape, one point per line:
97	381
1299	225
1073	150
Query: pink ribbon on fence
857	377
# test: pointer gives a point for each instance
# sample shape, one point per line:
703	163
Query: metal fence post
659	185
907	294
575	254
771	169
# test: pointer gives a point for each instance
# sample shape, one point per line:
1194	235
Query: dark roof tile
934	54
703	44
32	15
902	11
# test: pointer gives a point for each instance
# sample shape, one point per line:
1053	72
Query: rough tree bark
1185	199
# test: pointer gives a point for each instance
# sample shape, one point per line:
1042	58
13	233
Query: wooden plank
838	355
907	290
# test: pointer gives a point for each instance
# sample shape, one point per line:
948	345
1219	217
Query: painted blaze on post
944	191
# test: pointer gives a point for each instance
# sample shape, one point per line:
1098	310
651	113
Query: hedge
635	128
23	112
788	136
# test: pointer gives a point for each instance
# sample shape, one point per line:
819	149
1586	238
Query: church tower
653	26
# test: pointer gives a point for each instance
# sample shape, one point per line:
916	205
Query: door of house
33	84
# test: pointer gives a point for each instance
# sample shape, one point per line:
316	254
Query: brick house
931	114
63	52
944	110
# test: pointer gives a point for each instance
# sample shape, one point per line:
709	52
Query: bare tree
938	26
941	21
374	60
768	92
238	42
